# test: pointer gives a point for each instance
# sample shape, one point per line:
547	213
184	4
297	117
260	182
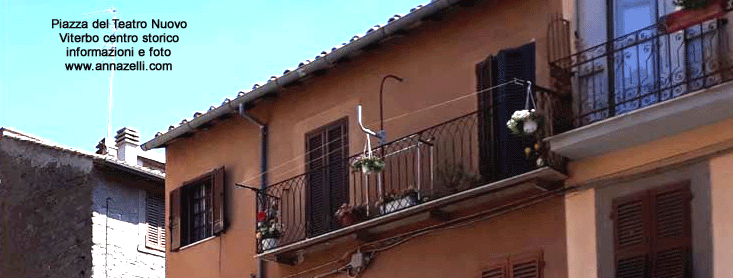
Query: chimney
127	142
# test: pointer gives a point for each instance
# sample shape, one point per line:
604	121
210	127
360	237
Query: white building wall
118	234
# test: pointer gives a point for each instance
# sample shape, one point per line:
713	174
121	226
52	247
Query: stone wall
45	208
63	216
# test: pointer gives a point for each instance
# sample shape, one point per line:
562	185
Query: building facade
626	174
69	213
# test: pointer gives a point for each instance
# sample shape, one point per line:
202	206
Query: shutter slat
633	267
497	269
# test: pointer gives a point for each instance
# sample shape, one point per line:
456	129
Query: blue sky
228	46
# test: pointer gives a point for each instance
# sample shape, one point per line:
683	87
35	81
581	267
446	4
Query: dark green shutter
513	63
485	135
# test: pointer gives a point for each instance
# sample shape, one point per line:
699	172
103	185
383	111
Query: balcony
644	86
441	171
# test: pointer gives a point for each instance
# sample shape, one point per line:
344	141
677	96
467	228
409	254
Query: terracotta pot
349	219
682	19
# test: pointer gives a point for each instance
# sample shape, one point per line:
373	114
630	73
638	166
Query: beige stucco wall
437	61
699	155
581	233
721	183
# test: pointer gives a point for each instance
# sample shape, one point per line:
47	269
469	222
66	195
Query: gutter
325	62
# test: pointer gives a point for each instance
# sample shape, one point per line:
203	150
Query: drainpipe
263	167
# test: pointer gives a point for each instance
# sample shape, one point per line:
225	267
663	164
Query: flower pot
529	126
349	219
397	204
365	169
269	243
682	19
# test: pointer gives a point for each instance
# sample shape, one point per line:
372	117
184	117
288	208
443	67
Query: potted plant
693	12
368	164
454	177
394	201
348	215
524	122
269	230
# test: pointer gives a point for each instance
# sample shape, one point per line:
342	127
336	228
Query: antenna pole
109	103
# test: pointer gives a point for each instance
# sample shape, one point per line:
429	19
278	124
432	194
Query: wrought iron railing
645	67
432	163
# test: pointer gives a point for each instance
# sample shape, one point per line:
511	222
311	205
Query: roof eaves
322	61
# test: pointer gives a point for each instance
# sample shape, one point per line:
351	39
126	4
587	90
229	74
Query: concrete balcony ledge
646	124
535	179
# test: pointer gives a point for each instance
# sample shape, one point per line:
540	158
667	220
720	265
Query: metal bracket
382	137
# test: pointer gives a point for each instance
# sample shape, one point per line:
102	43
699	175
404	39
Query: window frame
214	205
188	228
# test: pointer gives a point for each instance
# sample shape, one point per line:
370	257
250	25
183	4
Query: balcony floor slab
421	212
646	124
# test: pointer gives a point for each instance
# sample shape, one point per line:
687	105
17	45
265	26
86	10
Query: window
652	233
197	209
155	222
527	265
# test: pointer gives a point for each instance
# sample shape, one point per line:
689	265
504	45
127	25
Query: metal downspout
261	273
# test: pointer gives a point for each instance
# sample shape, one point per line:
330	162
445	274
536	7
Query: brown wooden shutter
497	269
632	228
671	231
218	201
653	233
337	168
174	218
316	177
155	222
526	266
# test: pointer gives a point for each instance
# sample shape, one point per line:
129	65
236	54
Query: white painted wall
118	240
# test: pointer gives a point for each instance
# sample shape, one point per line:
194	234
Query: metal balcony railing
645	67
435	162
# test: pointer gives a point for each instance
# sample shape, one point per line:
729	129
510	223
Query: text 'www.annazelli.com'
136	66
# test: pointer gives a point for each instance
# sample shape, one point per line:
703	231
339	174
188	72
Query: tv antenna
112	47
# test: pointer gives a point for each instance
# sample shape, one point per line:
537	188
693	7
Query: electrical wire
296	167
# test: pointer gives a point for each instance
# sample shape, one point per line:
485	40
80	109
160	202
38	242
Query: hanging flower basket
368	164
524	122
693	12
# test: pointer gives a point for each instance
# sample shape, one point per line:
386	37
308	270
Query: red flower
261	216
